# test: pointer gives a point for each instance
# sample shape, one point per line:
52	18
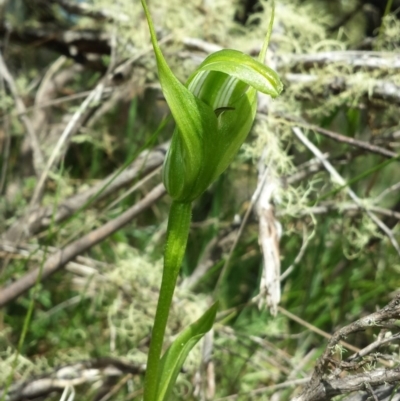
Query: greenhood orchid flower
213	112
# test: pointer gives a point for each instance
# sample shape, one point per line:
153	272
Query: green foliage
216	109
213	116
348	266
175	356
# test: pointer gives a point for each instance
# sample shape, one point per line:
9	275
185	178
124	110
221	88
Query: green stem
177	234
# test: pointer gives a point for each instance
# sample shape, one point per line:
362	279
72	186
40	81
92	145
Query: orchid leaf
173	359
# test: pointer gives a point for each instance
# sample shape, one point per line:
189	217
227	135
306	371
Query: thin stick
253	200
339	179
7	144
59	259
63	139
288	383
19	104
339	137
351	141
386	191
314	329
41	218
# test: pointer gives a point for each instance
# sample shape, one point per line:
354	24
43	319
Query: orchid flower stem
177	235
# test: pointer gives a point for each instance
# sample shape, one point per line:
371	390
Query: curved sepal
244	68
192	116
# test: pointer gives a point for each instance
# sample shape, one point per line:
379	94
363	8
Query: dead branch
356	59
381	89
336	177
382	340
326	207
59	259
284	385
70	129
340	138
385	392
327	389
85	10
326	383
74	44
55	78
70	376
38	159
81	266
41	218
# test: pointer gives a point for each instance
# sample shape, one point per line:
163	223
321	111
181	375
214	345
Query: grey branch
59	259
20	106
327	389
356	59
40	218
325	383
380	89
69	376
81	8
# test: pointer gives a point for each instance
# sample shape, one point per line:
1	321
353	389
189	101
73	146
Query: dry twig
41	218
381	89
69	376
355	59
37	153
61	258
339	180
325	383
342	138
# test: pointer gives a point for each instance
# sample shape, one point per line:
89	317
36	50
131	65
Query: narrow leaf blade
174	357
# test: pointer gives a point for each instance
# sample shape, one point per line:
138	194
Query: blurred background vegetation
81	108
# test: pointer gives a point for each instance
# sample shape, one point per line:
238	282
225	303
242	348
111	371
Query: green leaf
174	357
263	52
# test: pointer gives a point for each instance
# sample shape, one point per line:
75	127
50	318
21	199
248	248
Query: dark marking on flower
220	110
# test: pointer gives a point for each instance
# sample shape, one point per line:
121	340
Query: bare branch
325	384
75	44
80	8
37	153
328	389
59	259
343	138
355	59
376	344
41	218
339	179
71	375
68	131
328	206
385	392
286	384
381	89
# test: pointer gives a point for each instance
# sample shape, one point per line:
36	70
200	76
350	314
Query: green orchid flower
213	112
